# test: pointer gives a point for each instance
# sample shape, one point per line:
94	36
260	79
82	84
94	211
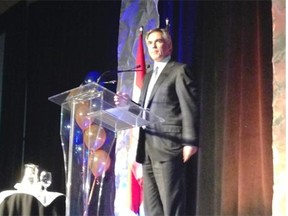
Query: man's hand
188	151
121	99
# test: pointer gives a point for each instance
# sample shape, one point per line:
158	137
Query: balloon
94	137
65	130
78	135
92	76
81	115
73	93
99	162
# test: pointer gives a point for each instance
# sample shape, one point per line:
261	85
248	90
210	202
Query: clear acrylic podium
88	125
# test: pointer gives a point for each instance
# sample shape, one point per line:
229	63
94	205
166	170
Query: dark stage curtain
51	45
229	43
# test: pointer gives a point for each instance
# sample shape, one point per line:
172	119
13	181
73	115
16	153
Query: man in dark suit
164	148
170	92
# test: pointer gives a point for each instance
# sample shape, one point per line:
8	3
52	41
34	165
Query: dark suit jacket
174	98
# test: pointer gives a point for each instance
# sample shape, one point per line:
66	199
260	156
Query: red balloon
99	162
94	137
81	115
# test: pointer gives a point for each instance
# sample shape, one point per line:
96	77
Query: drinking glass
45	179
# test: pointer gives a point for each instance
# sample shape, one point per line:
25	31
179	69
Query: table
25	203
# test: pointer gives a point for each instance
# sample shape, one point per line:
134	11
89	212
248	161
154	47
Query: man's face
158	48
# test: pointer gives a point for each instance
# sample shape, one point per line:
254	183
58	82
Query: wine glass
45	179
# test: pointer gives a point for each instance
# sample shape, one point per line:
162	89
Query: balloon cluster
94	137
87	132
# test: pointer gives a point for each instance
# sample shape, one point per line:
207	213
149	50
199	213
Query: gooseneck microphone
134	69
130	70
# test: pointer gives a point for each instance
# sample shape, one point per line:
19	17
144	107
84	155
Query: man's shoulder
178	64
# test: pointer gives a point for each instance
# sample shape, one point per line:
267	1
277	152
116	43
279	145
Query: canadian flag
140	61
133	14
135	172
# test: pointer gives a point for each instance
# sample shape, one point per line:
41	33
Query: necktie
150	86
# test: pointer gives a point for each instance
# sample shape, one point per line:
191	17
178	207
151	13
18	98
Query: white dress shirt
158	68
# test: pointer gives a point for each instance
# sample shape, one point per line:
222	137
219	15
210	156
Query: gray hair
165	34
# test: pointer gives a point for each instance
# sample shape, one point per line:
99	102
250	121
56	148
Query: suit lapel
159	81
145	87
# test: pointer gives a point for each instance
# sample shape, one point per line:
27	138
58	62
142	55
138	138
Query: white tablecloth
45	197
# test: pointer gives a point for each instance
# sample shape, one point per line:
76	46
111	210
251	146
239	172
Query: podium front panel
89	122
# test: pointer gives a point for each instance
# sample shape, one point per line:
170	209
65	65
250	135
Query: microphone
110	82
134	69
130	70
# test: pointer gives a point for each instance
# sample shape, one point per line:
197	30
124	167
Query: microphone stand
118	71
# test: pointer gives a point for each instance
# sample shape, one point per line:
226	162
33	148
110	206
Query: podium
89	123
